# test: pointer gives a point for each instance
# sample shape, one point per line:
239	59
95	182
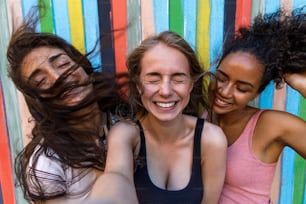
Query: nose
52	75
165	88
225	89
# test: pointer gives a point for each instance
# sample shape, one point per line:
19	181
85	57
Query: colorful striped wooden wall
203	23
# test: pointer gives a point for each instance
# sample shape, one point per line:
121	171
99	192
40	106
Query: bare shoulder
278	118
124	130
213	135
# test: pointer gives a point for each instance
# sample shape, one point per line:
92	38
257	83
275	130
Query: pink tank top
247	180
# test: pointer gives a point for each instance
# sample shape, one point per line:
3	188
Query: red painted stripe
6	176
243	13
119	19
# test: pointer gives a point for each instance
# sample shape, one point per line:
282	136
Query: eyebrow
50	59
172	75
239	81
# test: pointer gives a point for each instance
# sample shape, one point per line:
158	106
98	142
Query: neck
164	131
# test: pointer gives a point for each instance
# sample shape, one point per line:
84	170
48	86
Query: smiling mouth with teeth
165	105
220	101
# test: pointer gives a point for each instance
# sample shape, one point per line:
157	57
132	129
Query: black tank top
148	193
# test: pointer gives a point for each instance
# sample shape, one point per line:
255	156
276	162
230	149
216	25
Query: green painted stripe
46	16
299	164
299	178
176	16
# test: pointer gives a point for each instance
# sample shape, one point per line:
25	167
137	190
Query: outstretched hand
297	81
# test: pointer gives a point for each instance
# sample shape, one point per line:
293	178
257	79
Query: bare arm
213	155
292	132
117	183
297	81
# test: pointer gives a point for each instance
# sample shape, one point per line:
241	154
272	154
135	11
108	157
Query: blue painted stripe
27	7
287	169
92	34
161	15
287	187
299	4
61	19
266	97
216	28
272	5
190	21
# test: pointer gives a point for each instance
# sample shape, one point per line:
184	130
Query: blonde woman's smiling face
165	82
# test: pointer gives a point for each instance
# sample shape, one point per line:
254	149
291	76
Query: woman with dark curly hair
72	108
256	138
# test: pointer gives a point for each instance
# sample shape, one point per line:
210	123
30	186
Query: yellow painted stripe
76	24
203	20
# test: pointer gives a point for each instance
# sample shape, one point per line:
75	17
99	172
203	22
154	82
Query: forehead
165	60
36	58
242	63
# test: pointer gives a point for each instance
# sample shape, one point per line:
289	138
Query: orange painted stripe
119	20
6	169
243	13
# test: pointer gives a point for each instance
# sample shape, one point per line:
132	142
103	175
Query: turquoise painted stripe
287	187
61	19
272	5
266	97
27	7
91	30
216	29
190	21
299	4
161	15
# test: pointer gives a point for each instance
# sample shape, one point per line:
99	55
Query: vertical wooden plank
258	7
46	16
299	162
6	176
161	15
243	13
176	19
147	18
190	21
134	17
287	187
10	128
27	6
266	97
203	33
229	21
76	24
105	27
61	19
91	31
216	29
119	19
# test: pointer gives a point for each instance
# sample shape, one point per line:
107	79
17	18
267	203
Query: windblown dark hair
57	127
198	97
293	45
